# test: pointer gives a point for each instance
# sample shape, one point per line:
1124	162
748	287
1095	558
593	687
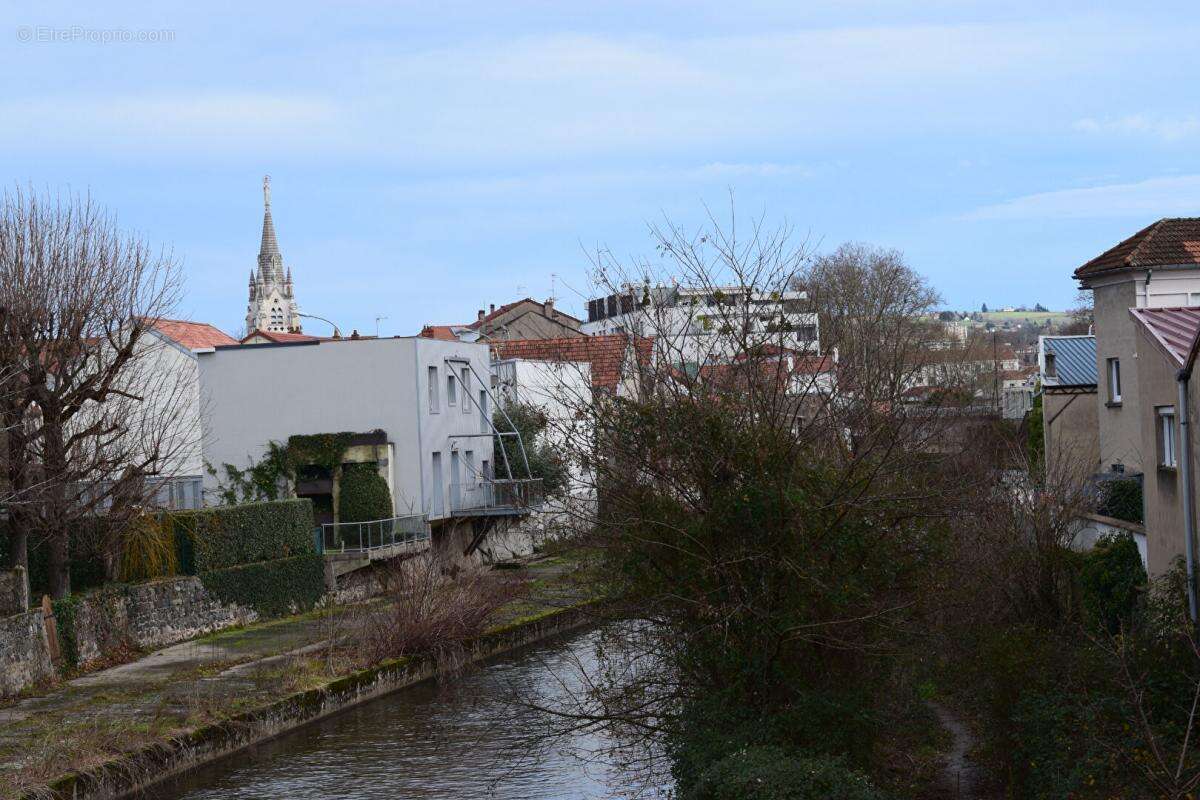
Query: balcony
386	536
496	497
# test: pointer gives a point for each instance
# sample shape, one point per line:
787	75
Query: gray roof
1074	360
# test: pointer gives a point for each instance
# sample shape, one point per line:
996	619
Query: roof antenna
377	319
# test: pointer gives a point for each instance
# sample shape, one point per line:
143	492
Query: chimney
480	315
491	308
549	307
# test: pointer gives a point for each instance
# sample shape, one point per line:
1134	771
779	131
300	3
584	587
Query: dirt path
960	775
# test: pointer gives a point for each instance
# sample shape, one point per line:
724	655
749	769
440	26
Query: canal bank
480	735
190	705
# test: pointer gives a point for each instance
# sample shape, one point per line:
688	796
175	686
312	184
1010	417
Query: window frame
464	383
1166	431
1114	381
451	391
434	378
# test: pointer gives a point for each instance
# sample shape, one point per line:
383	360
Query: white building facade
694	325
429	397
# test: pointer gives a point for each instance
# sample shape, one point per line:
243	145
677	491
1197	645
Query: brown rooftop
1170	241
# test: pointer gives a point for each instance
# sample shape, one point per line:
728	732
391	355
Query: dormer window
1051	369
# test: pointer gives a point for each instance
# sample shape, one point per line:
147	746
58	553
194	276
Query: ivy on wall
268	479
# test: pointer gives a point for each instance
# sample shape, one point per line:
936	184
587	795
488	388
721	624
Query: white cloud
1168	129
1155	197
154	122
525	99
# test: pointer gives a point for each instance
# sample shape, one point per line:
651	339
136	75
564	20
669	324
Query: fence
347	537
497	496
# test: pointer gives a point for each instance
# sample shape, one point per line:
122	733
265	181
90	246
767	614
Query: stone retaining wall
24	652
151	615
144	616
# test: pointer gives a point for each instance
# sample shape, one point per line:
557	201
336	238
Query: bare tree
768	512
100	410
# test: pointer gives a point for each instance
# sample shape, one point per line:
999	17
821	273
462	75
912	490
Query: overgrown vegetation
430	613
545	460
363	494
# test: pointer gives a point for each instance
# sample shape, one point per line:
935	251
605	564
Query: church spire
272	304
270	246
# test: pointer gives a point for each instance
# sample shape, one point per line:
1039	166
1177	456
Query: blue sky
428	159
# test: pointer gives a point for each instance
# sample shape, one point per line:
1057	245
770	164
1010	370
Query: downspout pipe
1187	474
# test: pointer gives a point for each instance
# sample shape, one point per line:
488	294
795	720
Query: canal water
466	739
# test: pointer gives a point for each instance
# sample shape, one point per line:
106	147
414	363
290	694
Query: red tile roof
1173	240
1173	329
606	354
443	332
193	335
281	338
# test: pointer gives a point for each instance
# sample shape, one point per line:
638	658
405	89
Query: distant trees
984	309
95	413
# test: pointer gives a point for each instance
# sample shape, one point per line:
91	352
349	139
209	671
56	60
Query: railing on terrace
496	496
365	537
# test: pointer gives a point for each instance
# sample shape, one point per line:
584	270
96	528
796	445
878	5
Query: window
465	380
451	395
1165	419
1114	380
434	402
1051	368
484	421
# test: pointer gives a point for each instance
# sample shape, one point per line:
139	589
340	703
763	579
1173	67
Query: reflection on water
462	741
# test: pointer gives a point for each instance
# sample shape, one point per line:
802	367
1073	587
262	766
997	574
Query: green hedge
363	494
773	773
272	588
225	536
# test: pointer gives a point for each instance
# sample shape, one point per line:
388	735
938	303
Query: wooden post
51	629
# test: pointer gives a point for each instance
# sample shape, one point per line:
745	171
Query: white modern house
425	405
706	325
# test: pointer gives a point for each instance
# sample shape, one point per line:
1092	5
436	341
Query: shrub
272	588
428	614
148	550
1112	579
363	494
226	536
774	773
65	614
1121	498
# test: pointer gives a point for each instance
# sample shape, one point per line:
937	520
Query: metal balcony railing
496	496
364	537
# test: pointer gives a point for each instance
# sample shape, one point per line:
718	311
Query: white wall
261	393
558	389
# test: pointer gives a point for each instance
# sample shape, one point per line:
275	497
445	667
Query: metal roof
1174	329
1074	360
